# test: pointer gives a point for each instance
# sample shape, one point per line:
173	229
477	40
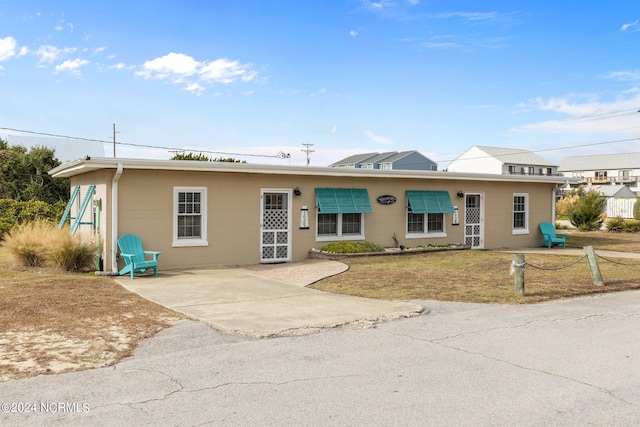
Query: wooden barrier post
594	269
518	274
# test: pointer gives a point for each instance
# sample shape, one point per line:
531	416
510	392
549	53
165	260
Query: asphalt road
568	363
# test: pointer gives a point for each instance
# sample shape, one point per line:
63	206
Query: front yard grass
482	276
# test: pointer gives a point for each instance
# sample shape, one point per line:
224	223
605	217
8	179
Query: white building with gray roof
621	168
503	161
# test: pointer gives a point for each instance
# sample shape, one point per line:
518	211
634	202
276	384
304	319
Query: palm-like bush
587	213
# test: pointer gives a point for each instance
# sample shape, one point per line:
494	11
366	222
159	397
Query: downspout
114	219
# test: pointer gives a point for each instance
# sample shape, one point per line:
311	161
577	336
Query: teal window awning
343	200
426	202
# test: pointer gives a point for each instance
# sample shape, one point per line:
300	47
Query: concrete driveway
265	300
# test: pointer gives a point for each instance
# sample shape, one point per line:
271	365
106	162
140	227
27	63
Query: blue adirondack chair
134	256
551	238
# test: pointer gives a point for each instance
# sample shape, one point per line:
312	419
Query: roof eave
81	166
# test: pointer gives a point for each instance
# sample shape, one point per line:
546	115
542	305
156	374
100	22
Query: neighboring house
204	214
620	199
354	161
603	169
506	161
393	160
65	149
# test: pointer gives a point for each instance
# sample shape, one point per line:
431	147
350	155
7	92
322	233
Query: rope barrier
557	268
618	262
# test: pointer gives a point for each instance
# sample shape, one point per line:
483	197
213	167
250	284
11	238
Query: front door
275	227
473	221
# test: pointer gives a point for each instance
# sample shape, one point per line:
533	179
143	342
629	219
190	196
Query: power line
277	156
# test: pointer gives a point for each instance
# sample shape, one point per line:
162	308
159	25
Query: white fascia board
81	166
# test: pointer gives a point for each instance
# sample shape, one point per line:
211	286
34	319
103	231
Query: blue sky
258	78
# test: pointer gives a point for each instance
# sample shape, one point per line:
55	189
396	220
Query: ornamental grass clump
28	243
71	253
42	243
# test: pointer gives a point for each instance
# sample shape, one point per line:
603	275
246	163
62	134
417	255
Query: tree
202	158
587	213
24	175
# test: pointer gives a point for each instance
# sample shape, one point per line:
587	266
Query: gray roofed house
613	191
354	161
392	160
497	160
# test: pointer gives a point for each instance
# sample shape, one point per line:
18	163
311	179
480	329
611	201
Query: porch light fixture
460	194
297	192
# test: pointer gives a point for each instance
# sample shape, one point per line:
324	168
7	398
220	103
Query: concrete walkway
266	299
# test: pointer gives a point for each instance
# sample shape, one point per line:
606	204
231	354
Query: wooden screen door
275	227
473	221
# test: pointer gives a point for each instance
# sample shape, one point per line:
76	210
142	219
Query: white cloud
334	129
586	115
175	65
7	48
471	16
226	71
118	66
624	76
181	68
320	92
23	51
353	33
58	27
248	92
625	27
72	66
194	88
379	139
48	53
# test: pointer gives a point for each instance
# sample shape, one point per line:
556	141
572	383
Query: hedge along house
203	214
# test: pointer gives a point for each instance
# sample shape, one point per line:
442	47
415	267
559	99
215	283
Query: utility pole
307	150
114	140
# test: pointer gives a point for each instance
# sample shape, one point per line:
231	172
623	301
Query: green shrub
29	243
587	213
13	213
632	226
348	247
636	210
616	225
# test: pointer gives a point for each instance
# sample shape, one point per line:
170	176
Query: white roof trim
81	166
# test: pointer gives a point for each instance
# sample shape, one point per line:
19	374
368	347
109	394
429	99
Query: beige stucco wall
233	206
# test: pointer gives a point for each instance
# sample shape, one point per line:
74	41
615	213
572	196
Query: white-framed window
520	213
512	169
340	226
624	174
421	225
386	166
367	166
189	216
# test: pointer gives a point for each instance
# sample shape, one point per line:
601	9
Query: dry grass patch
621	242
52	322
481	276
